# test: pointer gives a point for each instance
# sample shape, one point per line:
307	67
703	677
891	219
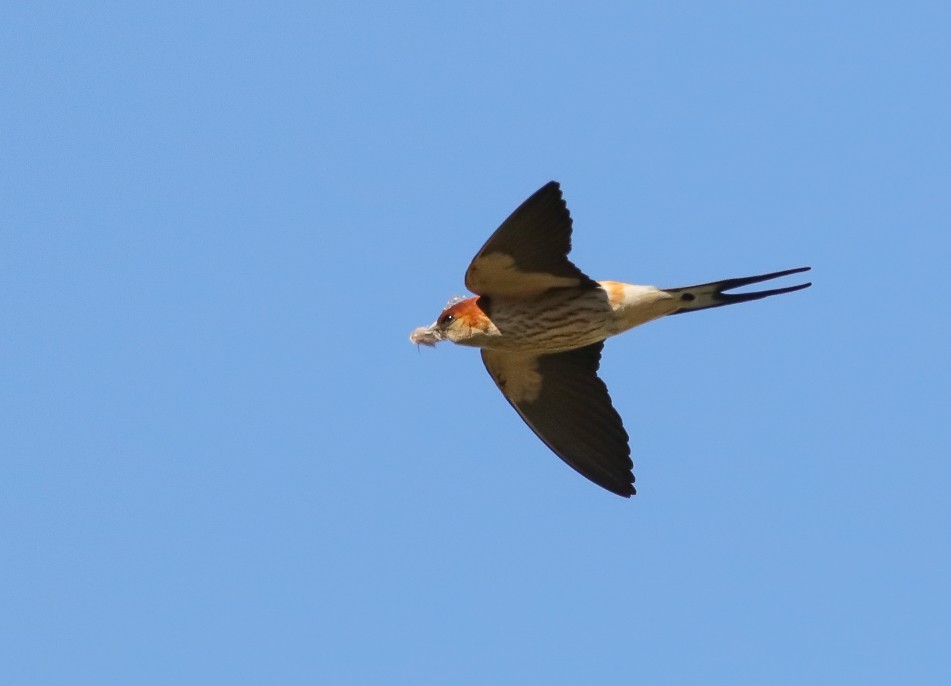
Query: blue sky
223	462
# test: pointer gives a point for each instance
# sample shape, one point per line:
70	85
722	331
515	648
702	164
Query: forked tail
706	295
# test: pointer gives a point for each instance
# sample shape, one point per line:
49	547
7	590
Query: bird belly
555	321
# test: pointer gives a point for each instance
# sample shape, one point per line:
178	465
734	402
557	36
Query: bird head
460	322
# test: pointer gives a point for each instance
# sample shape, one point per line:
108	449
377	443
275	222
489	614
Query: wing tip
625	491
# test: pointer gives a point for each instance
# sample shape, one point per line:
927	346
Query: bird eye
446	319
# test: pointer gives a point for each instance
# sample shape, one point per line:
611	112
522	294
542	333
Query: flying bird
541	323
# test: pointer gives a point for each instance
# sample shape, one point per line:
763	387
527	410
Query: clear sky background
222	461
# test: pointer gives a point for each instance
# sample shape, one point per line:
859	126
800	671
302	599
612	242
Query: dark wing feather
564	402
528	253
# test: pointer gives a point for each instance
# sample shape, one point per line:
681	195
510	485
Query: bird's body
541	324
558	319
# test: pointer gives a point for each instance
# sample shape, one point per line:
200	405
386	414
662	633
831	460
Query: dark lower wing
567	406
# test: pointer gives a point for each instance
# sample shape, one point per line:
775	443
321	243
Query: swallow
540	323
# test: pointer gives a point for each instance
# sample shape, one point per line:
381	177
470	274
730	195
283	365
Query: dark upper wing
567	406
528	253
